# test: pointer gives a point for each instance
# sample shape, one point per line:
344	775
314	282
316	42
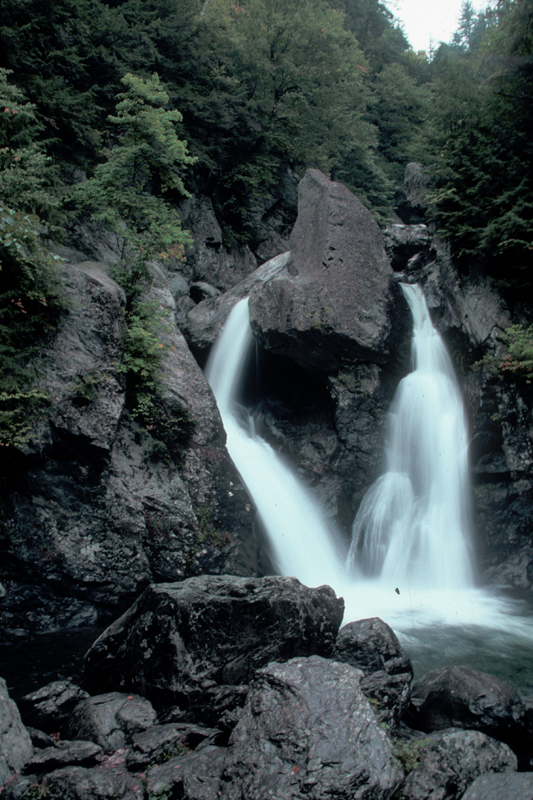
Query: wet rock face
297	733
90	505
179	640
334	299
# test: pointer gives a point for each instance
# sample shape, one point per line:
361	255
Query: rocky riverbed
245	688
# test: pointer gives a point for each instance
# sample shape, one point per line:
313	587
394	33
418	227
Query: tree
30	295
299	76
483	149
133	191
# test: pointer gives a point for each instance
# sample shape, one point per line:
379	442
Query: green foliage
132	191
517	361
408	752
30	290
171	427
481	144
164	793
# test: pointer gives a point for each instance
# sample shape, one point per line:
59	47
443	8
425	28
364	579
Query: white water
302	542
412	532
413	526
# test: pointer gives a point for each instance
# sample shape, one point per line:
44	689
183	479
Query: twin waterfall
411	536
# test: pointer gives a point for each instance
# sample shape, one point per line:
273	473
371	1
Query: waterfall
303	544
410	561
413	526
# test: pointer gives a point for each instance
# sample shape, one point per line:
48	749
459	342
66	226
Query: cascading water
302	542
410	559
413	526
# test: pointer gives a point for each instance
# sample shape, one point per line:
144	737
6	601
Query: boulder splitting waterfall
410	561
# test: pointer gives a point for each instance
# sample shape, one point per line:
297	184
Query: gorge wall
91	513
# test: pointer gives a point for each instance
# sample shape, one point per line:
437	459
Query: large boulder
507	786
96	507
448	762
307	731
372	646
180	639
462	697
15	743
333	301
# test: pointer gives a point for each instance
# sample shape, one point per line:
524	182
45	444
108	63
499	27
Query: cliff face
91	513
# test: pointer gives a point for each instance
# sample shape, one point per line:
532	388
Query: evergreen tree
134	189
483	140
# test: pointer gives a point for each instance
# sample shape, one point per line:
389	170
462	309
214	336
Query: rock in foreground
307	731
180	639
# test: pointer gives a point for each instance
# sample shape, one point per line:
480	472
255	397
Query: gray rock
516	572
97	242
205	321
80	754
461	697
100	783
102	513
332	303
307	731
450	761
501	787
15	743
178	640
372	646
48	707
208	260
402	242
110	720
195	776
80	370
178	286
160	743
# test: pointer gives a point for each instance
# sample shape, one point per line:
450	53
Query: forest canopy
265	86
